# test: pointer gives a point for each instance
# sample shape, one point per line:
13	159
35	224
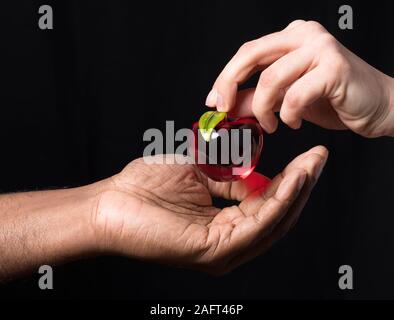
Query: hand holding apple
306	74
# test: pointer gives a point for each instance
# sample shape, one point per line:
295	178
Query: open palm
164	212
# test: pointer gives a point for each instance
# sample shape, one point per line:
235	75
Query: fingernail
211	98
219	102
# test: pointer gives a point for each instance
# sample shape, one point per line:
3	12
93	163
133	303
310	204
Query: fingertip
266	128
211	98
215	100
220	102
295	124
320	150
269	125
289	119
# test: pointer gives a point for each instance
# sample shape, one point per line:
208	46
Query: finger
243	105
252	228
302	93
306	161
238	190
285	224
278	76
320	112
252	56
290	220
294	24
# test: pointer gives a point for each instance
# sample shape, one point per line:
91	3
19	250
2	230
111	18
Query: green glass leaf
208	121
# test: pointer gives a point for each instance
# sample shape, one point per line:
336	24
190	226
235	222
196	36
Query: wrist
95	195
115	216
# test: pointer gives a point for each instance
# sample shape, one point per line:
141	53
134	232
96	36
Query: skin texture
45	227
306	74
156	212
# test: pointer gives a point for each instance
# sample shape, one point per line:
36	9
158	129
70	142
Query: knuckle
339	64
336	67
228	77
329	40
247	47
314	26
326	41
292	99
296	22
268	78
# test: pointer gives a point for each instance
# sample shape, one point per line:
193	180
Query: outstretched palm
164	212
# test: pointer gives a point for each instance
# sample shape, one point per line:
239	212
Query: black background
76	100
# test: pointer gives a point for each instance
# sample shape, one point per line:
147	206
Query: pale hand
306	74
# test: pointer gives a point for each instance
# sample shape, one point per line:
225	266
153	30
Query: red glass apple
234	145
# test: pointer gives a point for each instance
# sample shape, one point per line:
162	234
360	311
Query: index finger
251	57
